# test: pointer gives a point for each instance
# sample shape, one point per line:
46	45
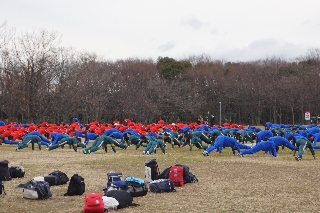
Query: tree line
40	80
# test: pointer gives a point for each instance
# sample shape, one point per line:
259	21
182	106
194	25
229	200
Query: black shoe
241	155
233	152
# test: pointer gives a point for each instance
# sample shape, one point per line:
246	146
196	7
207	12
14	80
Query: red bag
93	203
176	175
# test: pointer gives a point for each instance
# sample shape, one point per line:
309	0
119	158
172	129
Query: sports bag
176	175
37	190
190	178
93	203
51	179
16	171
116	185
161	185
61	177
123	197
151	170
136	186
114	176
76	186
110	203
4	171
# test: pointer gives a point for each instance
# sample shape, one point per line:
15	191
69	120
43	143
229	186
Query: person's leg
113	147
301	150
39	145
75	147
22	145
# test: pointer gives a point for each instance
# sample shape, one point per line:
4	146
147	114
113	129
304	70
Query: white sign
307	116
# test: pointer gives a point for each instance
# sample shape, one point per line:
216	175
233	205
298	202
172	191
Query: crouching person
267	146
33	139
102	140
67	140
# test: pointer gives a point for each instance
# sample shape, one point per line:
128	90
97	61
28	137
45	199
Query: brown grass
227	183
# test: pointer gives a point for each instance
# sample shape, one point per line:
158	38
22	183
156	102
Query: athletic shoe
17	149
205	153
233	152
148	153
297	158
84	151
241	155
143	152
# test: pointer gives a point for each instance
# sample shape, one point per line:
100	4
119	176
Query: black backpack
4	171
60	177
76	186
188	177
16	171
151	169
123	197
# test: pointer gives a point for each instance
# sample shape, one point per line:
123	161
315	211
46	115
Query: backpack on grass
76	186
93	203
38	190
123	197
151	170
60	177
16	171
188	177
110	203
176	175
4	171
114	176
116	185
136	186
161	185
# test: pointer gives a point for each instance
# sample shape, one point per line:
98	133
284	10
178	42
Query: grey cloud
214	31
193	22
167	46
264	43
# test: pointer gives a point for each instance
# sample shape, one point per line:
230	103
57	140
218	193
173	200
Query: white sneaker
143	152
17	149
205	153
148	153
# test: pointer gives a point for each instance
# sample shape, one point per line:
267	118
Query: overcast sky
232	30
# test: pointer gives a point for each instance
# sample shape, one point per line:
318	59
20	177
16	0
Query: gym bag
110	203
124	198
136	186
93	203
151	170
37	190
4	171
114	176
161	185
60	177
16	171
116	185
176	175
76	186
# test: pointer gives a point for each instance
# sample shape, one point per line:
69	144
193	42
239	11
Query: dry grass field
227	183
